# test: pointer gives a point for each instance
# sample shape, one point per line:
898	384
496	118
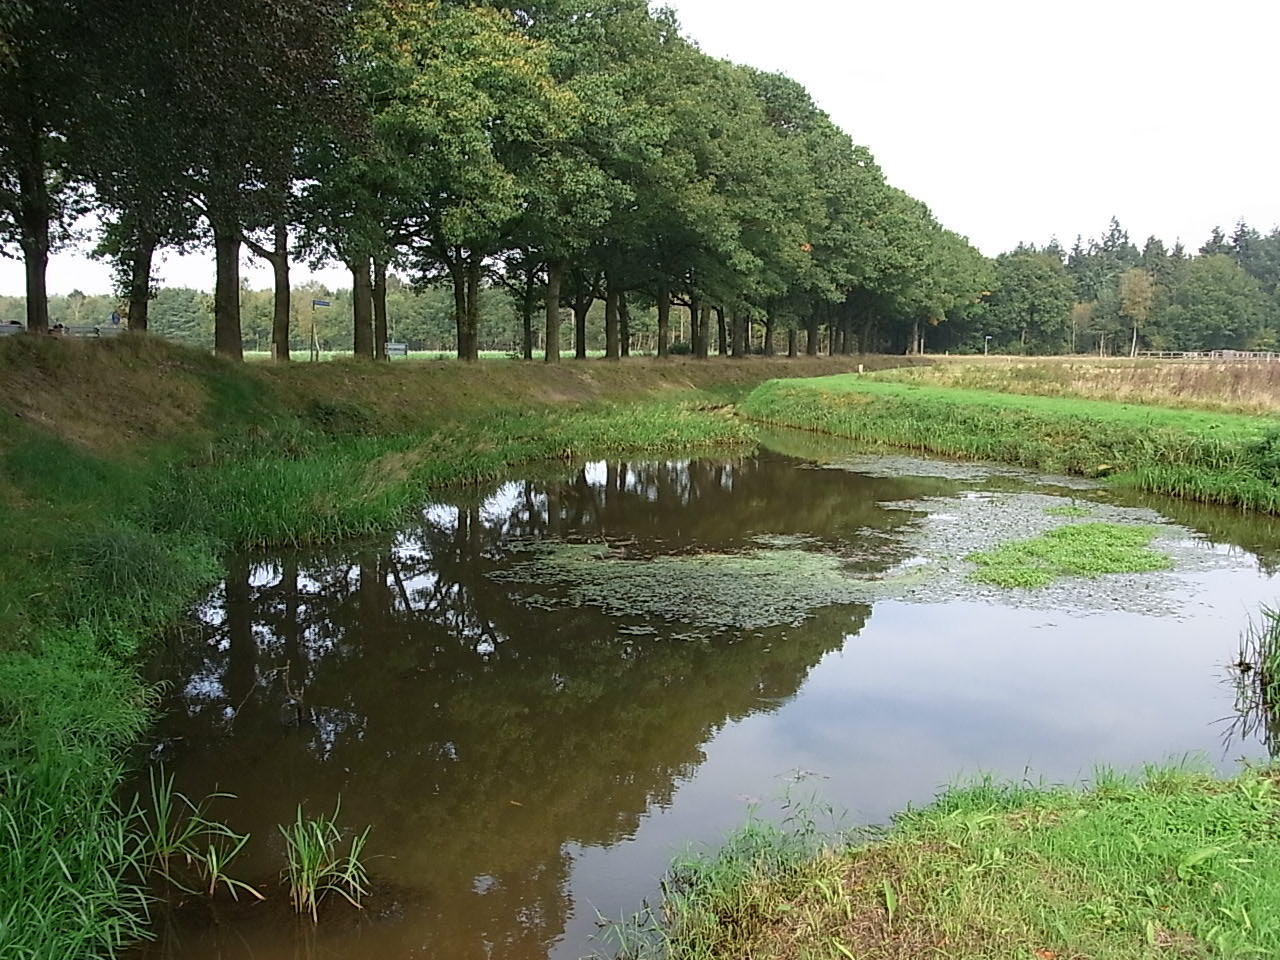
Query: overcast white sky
1013	119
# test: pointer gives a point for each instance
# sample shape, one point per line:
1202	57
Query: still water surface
528	766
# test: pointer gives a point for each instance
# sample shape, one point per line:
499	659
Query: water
528	765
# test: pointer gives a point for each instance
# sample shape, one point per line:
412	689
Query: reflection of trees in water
1256	533
479	737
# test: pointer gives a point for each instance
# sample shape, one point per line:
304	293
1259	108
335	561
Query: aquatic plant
1257	680
317	866
1075	550
714	591
174	831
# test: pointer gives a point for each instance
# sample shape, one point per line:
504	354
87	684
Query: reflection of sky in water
929	694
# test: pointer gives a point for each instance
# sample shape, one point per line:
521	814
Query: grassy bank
1170	864
129	466
1210	457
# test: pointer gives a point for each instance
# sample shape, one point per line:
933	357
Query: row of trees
1109	296
571	152
421	318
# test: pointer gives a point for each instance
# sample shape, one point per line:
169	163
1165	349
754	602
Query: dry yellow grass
1252	388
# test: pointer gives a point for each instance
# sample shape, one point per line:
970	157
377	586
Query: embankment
128	466
1222	458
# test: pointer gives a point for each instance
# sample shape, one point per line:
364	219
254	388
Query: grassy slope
1211	457
1173	864
129	465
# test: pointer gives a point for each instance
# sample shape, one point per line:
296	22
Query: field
1252	388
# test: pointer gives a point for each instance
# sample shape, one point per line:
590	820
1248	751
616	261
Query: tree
1216	244
472	110
1137	293
48	72
1031	303
252	80
1216	306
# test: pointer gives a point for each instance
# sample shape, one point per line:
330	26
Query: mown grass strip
1213	458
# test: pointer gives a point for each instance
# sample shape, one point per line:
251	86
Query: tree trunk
837	338
473	310
791	342
624	324
1133	351
458	278
379	309
361	308
610	320
526	312
739	330
915	338
769	324
34	215
37	264
722	333
140	281
555	270
811	335
226	292
704	332
280	304
664	317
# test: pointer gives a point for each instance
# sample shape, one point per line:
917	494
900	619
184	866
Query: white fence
1211	356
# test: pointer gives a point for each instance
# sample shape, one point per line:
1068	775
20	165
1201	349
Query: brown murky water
528	764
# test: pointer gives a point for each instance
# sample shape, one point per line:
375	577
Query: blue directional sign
321	303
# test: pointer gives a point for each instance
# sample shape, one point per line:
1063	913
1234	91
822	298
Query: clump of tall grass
318	865
1257	680
177	833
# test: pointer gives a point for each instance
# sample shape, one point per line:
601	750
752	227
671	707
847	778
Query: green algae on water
713	592
1075	550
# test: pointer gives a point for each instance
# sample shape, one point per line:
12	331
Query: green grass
1075	550
1210	457
1172	863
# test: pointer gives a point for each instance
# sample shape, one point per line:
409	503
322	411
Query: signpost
315	344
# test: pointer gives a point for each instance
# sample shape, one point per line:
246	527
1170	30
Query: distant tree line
1108	296
580	156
